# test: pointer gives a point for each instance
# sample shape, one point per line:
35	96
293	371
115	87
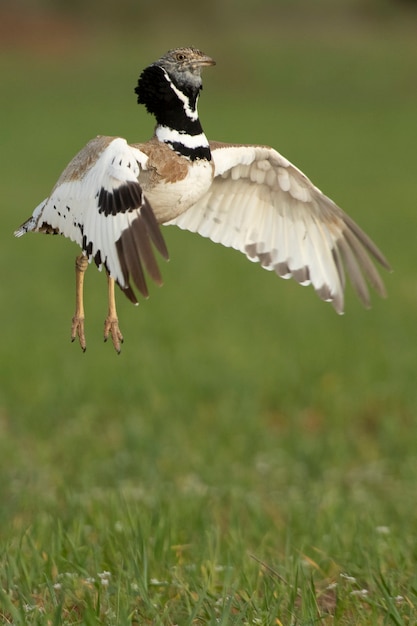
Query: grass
250	457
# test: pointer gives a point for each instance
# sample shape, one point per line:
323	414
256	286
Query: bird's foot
111	327
77	329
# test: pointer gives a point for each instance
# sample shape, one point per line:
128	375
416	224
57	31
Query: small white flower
222	600
382	530
350	579
118	527
362	593
57	586
105	582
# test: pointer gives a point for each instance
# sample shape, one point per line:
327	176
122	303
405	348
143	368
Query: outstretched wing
262	205
98	203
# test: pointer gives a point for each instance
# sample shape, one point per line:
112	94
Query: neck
179	125
191	146
175	109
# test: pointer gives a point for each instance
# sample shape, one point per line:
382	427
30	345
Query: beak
204	61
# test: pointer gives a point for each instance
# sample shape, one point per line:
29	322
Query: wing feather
98	203
261	204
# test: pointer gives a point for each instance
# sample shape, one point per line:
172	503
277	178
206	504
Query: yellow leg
77	328
111	323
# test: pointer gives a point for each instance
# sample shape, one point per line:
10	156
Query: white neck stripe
169	135
189	112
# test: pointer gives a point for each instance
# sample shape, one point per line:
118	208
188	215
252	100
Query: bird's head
184	66
177	72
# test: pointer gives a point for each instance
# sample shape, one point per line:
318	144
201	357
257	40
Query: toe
77	329
111	327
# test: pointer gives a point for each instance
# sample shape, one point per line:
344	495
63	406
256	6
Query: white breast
170	199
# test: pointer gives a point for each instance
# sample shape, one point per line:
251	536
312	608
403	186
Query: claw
77	329
111	327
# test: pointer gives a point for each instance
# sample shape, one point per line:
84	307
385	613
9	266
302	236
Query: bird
113	197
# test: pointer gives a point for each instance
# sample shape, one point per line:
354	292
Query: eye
180	56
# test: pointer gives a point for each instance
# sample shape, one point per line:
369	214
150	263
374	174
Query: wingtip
130	294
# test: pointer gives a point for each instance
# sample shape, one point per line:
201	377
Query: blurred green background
242	407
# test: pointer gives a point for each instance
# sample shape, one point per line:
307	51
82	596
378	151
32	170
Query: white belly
170	199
